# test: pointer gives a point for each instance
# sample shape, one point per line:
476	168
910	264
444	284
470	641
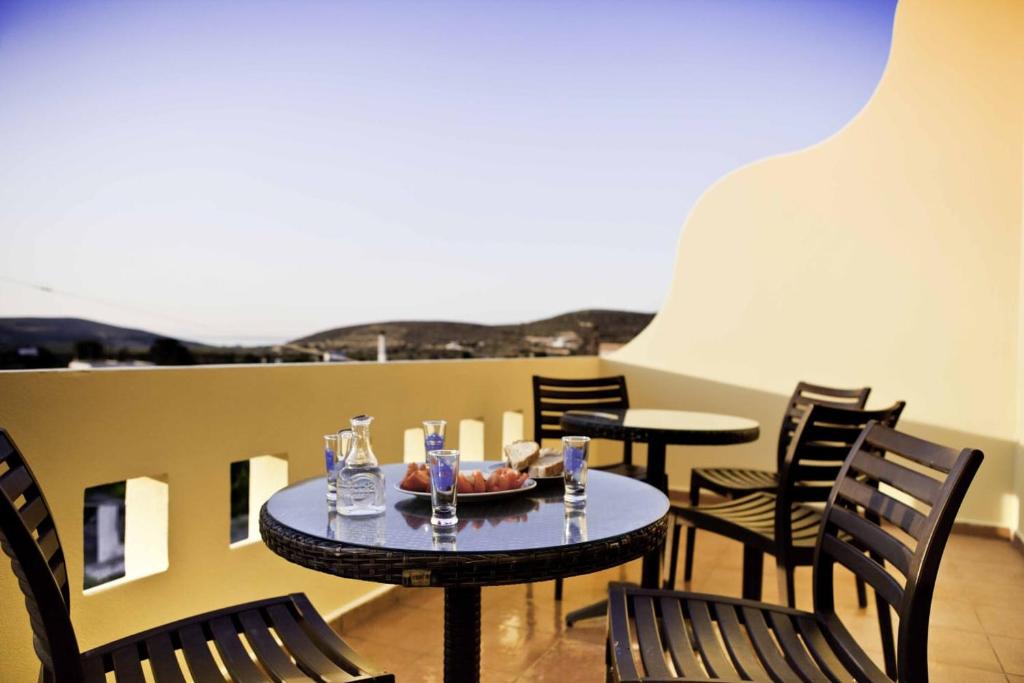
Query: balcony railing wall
179	430
992	500
173	433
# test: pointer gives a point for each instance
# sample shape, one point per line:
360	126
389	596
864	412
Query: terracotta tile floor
977	630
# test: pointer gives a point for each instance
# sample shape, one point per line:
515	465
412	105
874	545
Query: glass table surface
526	522
670	426
662	419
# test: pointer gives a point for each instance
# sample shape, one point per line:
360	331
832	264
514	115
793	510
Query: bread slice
521	454
549	464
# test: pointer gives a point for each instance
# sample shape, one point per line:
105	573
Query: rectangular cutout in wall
253	481
414	449
471	439
125	531
511	426
239	501
146	524
103	542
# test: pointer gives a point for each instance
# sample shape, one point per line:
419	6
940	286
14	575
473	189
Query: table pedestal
462	634
656	475
397	548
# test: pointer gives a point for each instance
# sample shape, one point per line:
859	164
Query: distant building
561	344
317	352
77	364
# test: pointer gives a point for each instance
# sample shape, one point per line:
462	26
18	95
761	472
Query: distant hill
579	332
60	334
432	339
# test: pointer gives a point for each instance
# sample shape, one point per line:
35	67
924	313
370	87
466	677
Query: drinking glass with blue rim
433	435
574	460
444	476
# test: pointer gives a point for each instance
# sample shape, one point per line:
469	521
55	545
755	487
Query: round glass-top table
659	429
526	537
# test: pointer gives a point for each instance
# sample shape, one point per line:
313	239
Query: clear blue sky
251	171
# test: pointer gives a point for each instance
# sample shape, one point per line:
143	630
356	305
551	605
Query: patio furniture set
849	490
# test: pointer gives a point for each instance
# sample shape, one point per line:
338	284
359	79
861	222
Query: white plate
472	497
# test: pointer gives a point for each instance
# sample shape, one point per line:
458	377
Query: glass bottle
360	481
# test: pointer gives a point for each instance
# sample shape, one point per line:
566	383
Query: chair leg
609	676
862	593
753	568
558	589
885	630
691	534
787	584
673	562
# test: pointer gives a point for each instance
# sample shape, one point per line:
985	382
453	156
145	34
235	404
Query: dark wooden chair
783	524
287	639
693	636
733	482
553	396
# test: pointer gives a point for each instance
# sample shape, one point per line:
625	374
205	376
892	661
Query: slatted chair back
816	455
29	537
820	445
553	396
931	481
806	395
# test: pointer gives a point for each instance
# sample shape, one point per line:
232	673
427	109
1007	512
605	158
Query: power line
46	289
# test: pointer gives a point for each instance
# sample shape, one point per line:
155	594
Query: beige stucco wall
887	255
185	426
1019	470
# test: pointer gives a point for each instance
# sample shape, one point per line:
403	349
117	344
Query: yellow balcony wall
184	427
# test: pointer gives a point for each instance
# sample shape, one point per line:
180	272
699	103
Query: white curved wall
888	255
